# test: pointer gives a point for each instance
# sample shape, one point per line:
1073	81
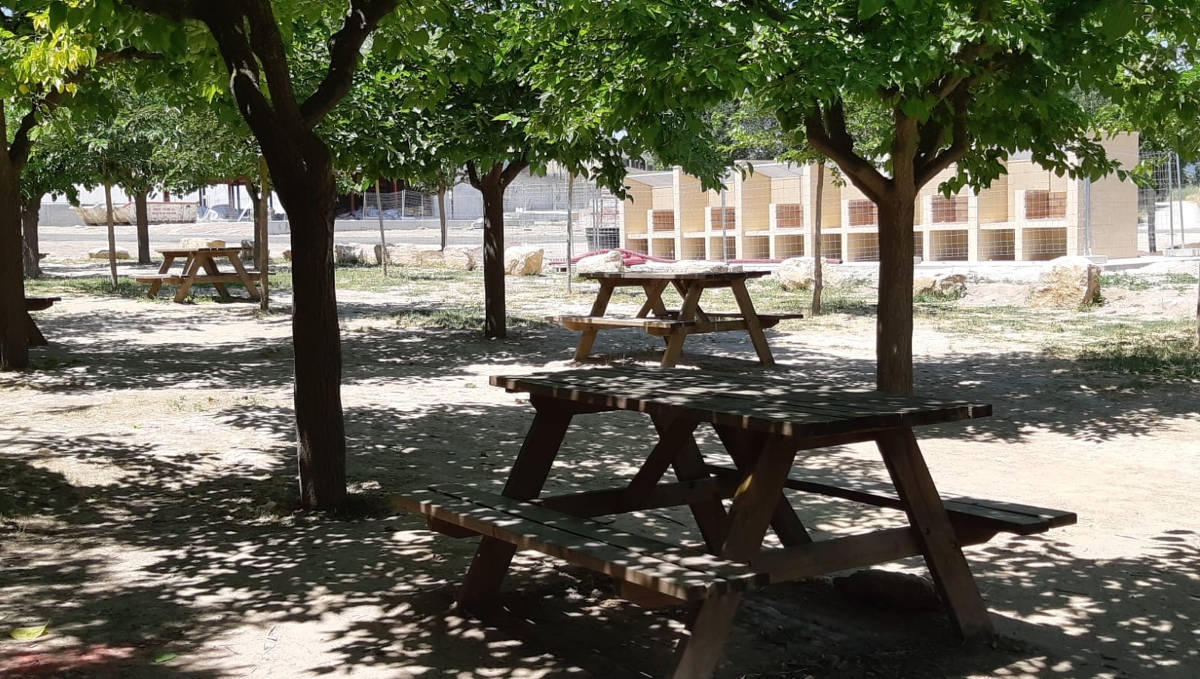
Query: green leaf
28	633
1119	18
57	14
869	8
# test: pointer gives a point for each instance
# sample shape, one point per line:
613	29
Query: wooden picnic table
674	325
200	268
765	426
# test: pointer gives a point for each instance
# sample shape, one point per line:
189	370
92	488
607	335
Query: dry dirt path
146	473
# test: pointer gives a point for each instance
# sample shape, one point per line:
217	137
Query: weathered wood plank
661	567
799	411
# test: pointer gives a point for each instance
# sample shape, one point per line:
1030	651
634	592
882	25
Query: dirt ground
147	480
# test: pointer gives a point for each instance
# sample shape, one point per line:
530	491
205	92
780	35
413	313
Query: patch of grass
447	318
93	286
1146	282
1172	356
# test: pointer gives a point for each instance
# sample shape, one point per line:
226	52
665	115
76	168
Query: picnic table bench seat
975	520
40	303
176	278
677	573
665	325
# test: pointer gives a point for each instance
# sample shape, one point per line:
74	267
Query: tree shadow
136	550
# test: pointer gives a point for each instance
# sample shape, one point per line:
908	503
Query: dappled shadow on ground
172	553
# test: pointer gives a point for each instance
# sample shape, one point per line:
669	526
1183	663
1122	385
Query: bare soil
147	494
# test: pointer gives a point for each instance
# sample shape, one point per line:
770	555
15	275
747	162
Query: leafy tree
963	84
51	169
253	40
465	101
42	65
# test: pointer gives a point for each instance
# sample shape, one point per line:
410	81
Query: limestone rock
605	262
102	253
201	243
352	253
459	259
1066	283
796	273
889	589
523	260
408	255
948	285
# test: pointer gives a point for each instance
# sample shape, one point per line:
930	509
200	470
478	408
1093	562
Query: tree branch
267	46
834	146
361	20
514	168
473	175
960	142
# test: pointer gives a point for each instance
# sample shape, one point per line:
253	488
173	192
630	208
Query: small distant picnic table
765	427
200	268
674	325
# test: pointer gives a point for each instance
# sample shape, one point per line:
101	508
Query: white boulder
605	262
523	260
1066	283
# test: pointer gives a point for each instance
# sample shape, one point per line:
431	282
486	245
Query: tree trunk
301	169
442	211
30	216
1151	218
14	331
492	188
143	227
818	273
112	236
262	246
894	324
258	208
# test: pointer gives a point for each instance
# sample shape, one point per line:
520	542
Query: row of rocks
1064	283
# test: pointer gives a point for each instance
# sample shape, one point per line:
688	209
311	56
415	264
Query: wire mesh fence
1167	209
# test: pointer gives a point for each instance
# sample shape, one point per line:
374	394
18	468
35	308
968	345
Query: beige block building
768	213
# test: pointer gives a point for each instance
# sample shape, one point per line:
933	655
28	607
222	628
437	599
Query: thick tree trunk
30	216
14	331
303	177
894	324
143	226
492	188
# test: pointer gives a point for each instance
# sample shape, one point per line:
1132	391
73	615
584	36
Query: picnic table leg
687	312
190	268
654	291
157	284
708	629
588	338
689	466
756	500
932	528
36	338
753	325
744	447
247	280
210	266
525	482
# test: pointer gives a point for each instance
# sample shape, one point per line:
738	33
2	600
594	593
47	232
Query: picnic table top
746	401
661	275
180	252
